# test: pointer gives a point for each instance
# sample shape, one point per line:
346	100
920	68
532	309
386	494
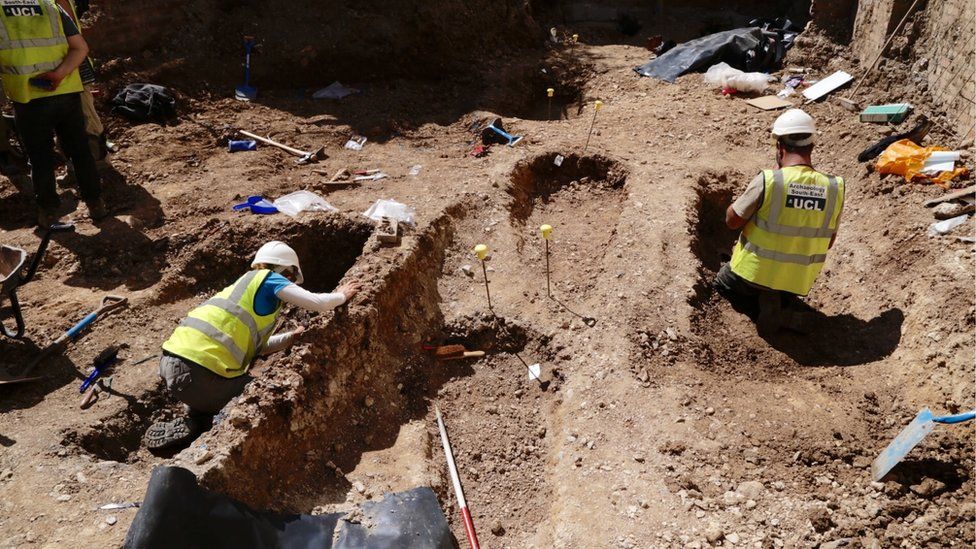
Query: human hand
53	77
297	332
349	289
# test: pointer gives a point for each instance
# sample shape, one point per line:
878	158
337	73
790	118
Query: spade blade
907	439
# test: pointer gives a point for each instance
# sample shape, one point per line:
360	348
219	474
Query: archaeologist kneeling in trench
789	218
205	361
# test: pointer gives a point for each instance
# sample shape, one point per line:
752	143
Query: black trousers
37	123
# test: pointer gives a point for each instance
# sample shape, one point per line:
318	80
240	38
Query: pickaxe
303	156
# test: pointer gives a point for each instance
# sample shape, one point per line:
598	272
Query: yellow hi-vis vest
784	245
32	42
225	334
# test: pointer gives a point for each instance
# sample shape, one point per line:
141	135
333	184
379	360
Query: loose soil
667	422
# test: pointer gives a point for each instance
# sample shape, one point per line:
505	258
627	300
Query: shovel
492	132
304	157
109	303
909	437
246	92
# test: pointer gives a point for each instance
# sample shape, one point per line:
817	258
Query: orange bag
907	159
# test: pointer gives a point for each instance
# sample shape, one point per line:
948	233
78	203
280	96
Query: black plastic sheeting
760	47
731	46
177	512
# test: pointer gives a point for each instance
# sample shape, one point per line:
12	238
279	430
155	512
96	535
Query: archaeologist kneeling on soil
205	361
789	218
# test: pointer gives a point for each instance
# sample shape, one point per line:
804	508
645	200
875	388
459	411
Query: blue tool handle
958	418
90	379
502	133
73	332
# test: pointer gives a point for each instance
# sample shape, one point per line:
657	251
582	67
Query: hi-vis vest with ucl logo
784	245
32	42
225	333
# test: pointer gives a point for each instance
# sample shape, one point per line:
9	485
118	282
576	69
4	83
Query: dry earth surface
667	423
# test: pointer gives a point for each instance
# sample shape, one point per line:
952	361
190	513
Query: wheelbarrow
12	276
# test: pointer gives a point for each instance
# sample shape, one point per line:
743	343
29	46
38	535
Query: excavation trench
205	262
364	374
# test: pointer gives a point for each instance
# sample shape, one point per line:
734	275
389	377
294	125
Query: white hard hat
793	122
279	253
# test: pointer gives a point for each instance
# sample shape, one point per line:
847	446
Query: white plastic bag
943	227
334	90
724	76
299	201
393	209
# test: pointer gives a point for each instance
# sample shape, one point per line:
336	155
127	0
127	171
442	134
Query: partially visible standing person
97	139
40	52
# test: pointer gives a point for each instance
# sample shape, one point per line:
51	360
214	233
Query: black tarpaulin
732	47
177	512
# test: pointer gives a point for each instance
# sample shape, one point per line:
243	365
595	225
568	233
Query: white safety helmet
280	254
793	122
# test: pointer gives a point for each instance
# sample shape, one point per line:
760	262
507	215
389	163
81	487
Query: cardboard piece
769	103
827	85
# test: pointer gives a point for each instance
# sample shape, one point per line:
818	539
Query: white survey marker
534	371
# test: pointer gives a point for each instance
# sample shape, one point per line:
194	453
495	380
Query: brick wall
946	41
949	44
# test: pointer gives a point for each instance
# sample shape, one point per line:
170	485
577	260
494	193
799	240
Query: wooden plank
951	196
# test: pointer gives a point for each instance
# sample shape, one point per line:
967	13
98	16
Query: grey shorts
202	390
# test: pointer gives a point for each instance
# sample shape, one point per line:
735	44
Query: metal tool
596	108
12	276
909	437
304	157
246	92
108	304
456	481
102	363
495	132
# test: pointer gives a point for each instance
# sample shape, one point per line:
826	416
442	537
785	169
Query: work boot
770	317
47	217
97	210
8	166
170	434
801	323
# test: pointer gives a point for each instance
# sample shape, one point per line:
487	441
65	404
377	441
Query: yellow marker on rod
481	251
596	108
549	93
546	230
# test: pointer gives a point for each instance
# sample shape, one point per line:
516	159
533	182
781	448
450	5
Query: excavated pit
535	182
711	238
525	93
220	251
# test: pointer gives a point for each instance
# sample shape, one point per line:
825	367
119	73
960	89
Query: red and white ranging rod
458	491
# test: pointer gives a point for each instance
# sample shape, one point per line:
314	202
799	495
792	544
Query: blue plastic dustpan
258	205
